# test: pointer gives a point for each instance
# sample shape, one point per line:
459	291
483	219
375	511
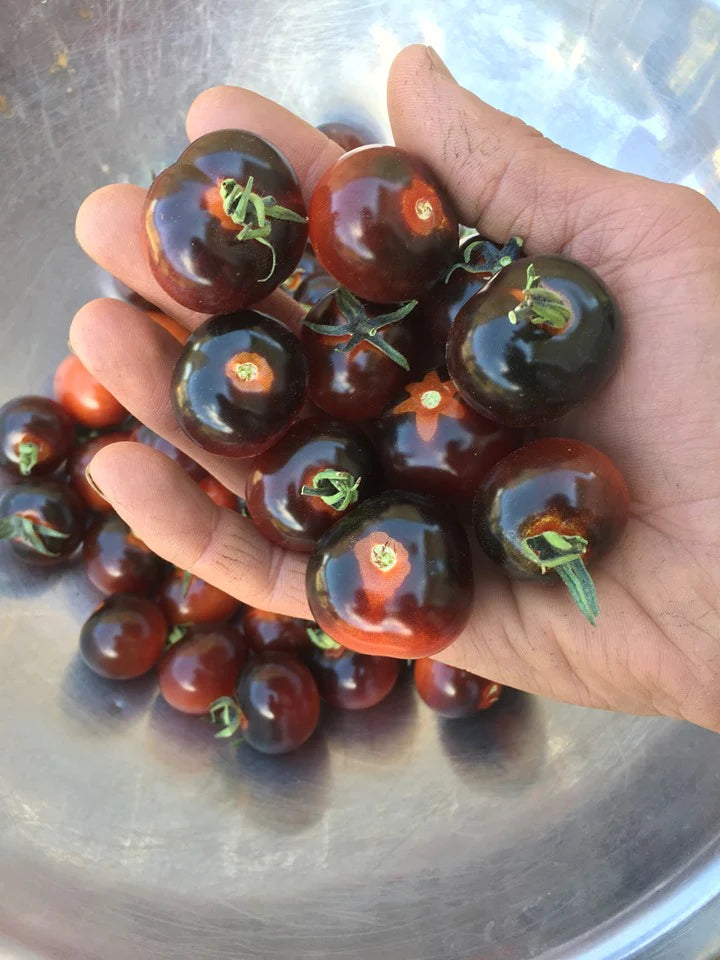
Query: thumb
505	178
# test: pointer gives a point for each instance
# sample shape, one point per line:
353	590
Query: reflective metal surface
539	831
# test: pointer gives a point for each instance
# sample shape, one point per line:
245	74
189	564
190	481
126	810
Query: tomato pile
403	420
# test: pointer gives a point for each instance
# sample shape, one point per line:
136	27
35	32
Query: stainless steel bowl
539	831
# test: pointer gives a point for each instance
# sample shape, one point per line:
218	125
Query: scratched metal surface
542	831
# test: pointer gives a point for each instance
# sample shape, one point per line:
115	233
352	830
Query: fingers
309	151
505	177
177	520
134	358
109	229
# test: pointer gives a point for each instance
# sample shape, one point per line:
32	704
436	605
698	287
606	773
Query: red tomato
84	397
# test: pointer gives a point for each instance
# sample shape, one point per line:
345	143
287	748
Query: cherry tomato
306	267
201	667
551	507
175	329
353	681
479	260
143	434
349	136
84	397
78	464
393	578
541	338
434	443
239	383
43	520
186	598
319	470
315	288
116	561
36	435
452	692
274	633
278	706
361	361
226	223
124	637
219	494
382	225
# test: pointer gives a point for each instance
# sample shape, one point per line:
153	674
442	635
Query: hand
656	648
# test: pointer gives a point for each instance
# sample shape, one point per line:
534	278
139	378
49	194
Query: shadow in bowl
101	707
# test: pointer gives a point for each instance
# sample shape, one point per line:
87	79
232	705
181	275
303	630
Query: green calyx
176	634
321	640
27	457
27	531
539	305
362	328
252	213
337	488
185	586
226	713
491	260
563	554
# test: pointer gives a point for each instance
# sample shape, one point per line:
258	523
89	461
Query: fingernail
96	488
438	63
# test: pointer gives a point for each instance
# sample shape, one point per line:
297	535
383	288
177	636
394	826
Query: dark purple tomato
124	637
452	692
349	136
306	267
358	359
382	225
225	224
278	703
204	665
479	260
353	681
551	507
239	384
186	598
143	434
43	520
540	339
315	288
79	462
392	578
319	470
434	443
274	633
116	561
36	435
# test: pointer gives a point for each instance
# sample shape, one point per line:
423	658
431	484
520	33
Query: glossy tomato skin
116	561
438	308
79	462
315	288
40	423
554	484
358	384
525	373
274	633
307	266
124	637
194	600
382	225
451	692
201	667
218	493
349	136
418	603
50	504
84	397
434	443
144	435
239	383
192	244
277	506
353	681
280	705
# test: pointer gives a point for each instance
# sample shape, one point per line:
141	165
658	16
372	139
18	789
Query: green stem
337	488
27	457
226	712
492	259
29	532
320	639
563	554
176	634
540	306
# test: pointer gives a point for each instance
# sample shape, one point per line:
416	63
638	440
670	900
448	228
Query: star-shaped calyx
428	400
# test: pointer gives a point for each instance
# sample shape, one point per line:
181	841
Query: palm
654	649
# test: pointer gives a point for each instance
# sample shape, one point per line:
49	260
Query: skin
656	649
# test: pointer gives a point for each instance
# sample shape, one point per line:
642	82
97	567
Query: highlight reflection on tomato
452	692
116	561
36	435
186	598
204	665
124	637
267	632
353	681
393	578
84	397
